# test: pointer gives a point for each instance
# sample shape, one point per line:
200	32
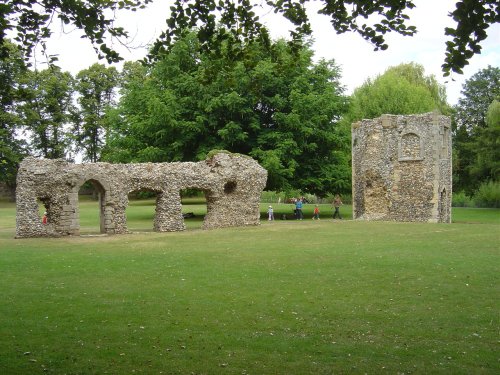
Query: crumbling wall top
228	180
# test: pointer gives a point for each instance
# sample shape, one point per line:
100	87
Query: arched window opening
44	210
194	208
410	147
91	198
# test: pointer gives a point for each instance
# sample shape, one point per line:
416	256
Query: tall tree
401	90
96	87
487	163
47	111
477	94
372	19
12	149
272	103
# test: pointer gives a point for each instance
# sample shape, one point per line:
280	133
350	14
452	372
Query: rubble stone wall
401	168
232	184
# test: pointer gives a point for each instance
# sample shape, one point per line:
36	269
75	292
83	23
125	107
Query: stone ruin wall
401	168
232	184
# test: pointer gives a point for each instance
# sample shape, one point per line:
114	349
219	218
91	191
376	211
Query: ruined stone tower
401	168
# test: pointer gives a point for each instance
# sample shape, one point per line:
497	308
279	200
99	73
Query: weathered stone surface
401	168
232	184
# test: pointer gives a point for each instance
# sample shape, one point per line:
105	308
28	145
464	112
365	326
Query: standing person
316	213
270	213
337	202
45	219
298	209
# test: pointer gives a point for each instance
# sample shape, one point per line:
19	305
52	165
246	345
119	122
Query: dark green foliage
372	19
487	163
46	110
460	199
270	102
475	140
222	20
478	92
12	150
96	88
473	18
488	195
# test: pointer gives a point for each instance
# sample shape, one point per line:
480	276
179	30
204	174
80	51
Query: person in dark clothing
298	210
337	202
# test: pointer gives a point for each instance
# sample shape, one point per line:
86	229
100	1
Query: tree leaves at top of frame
473	19
30	21
216	20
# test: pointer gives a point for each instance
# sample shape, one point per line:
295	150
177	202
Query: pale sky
353	54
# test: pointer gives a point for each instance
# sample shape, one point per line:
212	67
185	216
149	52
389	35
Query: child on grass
316	213
270	213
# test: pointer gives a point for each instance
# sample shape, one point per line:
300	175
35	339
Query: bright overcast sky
355	56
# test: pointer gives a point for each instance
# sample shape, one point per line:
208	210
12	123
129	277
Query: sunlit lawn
140	214
287	297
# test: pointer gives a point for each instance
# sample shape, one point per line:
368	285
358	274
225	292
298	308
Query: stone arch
50	208
101	189
47	204
410	147
232	184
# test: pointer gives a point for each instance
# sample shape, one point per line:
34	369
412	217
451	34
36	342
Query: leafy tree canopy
269	102
12	150
46	111
487	163
96	89
372	19
401	90
474	136
478	92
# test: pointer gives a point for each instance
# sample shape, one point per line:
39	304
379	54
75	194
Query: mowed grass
287	297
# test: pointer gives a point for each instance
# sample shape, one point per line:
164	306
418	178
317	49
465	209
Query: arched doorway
44	211
91	205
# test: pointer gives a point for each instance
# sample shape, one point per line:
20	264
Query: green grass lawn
287	297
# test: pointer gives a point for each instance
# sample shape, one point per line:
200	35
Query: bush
192	193
488	195
272	197
346	198
283	197
310	198
461	200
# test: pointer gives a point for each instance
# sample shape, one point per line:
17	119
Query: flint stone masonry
401	168
232	184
